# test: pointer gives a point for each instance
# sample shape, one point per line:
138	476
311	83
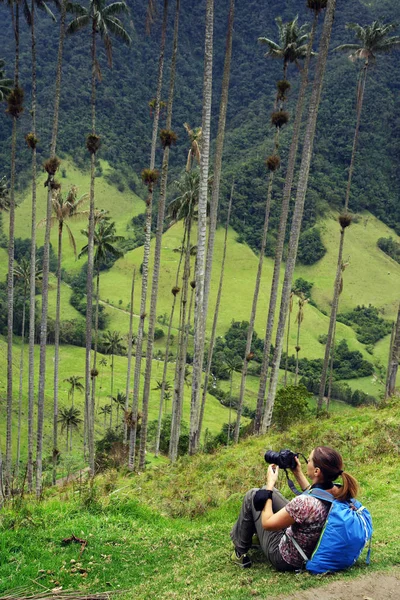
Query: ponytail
349	489
331	464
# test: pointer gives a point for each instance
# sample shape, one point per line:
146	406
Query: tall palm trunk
157	253
253	313
344	224
130	344
10	276
57	353
146	249
175	291
299	205
182	351
32	295
21	375
394	359
282	230
200	316
214	325
88	417
219	146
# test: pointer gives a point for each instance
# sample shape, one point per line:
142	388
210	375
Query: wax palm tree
184	206
65	208
75	385
292	49
149	177
299	204
194	153
105	410
394	358
168	139
22	273
372	40
215	321
112	342
70	420
292	45
302	301
5	83
316	6
130	347
119	401
103	21
232	364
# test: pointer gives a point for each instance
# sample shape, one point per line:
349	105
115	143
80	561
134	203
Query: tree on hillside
4	195
103	21
105	248
65	208
199	313
22	273
105	410
394	359
184	206
14	109
168	138
149	177
317	6
216	181
113	344
372	40
70	420
302	301
292	48
299	204
75	385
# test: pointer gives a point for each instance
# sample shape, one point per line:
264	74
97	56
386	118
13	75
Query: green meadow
165	532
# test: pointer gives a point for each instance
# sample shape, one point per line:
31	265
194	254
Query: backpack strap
297	546
320	494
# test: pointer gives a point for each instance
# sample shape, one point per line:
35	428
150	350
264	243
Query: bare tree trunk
10	275
250	330
157	254
219	147
299	205
336	288
130	344
57	353
214	326
21	375
146	249
181	358
394	360
282	230
200	316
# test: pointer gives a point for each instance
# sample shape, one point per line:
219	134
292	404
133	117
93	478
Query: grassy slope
72	362
168	528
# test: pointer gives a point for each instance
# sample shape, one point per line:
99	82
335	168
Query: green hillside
168	528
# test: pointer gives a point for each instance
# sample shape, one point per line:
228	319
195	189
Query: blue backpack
347	530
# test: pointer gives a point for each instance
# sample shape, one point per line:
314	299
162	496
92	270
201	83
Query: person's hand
297	469
272	476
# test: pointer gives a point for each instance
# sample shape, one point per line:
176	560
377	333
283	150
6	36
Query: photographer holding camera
276	520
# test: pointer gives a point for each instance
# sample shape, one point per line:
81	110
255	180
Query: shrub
369	326
311	248
390	247
291	405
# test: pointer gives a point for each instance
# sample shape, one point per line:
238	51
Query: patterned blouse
310	515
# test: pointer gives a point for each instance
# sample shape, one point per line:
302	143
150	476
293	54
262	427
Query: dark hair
331	464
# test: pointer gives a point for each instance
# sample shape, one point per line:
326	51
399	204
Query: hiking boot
241	560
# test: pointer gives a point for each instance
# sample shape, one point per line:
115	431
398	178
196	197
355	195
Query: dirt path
376	586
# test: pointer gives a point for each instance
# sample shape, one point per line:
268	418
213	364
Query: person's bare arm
299	475
269	520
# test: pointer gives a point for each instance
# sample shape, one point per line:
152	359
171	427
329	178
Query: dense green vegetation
125	125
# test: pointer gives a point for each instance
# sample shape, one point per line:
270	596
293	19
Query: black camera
284	459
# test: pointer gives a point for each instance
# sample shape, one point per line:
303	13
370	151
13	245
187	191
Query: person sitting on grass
280	519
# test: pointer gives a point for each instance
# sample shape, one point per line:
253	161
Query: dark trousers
249	523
